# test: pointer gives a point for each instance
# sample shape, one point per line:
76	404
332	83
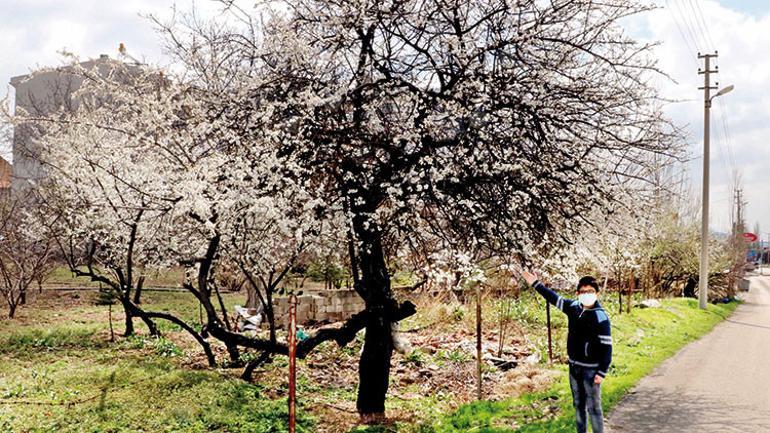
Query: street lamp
704	248
724	90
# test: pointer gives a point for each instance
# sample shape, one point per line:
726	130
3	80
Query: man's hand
529	277
598	379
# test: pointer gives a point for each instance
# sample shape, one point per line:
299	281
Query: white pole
704	251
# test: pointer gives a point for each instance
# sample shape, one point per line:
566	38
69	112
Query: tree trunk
154	331
129	322
196	335
689	288
252	300
270	314
374	365
138	291
11	310
248	372
138	312
132	311
235	354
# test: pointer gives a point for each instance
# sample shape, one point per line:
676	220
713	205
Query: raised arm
550	296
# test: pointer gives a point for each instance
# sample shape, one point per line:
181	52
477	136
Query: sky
33	32
737	30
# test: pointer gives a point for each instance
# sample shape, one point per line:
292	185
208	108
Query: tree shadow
103	393
660	410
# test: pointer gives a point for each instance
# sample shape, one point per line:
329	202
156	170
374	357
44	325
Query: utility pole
741	227
704	247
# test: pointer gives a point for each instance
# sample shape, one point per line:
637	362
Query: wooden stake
548	321
292	363
112	330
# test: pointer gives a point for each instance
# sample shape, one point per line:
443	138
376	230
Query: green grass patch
38	339
133	393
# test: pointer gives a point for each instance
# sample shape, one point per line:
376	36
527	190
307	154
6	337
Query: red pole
292	363
478	342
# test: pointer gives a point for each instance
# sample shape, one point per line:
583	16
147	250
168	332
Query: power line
682	33
687	26
703	21
693	18
728	136
703	29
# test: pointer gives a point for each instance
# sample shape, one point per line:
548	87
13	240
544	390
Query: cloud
741	40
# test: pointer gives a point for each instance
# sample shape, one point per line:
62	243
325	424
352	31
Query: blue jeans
587	398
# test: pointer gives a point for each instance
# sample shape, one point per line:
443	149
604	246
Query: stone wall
322	306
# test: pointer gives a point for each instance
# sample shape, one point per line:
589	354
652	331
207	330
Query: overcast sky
33	31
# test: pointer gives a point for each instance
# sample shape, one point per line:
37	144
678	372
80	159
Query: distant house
41	94
6	170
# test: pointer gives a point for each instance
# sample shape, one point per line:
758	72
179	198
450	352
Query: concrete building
43	93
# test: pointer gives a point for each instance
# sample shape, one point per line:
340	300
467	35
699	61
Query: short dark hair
588	281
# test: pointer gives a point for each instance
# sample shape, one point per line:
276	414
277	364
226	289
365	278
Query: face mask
587	299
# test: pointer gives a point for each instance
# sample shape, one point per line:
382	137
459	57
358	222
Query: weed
165	347
415	357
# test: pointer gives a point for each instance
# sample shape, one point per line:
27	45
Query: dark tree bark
129	321
374	366
689	288
235	355
133	311
374	287
138	291
153	329
248	372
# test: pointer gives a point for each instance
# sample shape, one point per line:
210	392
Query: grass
59	372
642	340
71	380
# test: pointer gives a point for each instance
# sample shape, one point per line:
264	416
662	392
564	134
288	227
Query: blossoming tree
491	128
503	123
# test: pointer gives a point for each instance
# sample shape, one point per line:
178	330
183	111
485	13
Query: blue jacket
589	341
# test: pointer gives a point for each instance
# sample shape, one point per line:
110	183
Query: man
589	347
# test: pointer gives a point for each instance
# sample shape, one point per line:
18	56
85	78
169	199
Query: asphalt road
720	383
